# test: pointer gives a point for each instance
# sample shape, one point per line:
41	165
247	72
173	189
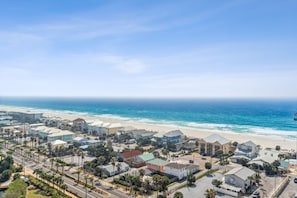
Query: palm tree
141	172
52	162
86	180
101	160
113	161
210	193
146	185
57	166
92	181
64	187
78	173
178	195
62	166
119	167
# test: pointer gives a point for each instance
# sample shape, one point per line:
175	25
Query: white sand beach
263	140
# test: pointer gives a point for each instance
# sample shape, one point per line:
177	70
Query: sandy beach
264	141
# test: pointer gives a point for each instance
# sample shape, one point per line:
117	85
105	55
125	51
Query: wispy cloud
126	65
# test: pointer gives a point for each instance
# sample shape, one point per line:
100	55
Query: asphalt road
77	189
290	190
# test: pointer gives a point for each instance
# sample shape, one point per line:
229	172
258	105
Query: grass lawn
35	194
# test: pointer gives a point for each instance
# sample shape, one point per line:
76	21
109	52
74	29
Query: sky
157	48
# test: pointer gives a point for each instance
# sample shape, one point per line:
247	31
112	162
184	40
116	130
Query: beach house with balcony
213	143
79	124
247	150
51	134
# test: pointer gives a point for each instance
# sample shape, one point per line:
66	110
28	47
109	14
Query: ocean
259	117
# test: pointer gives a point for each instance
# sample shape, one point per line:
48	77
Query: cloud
126	65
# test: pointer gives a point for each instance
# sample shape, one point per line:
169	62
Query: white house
266	155
247	150
111	170
239	177
180	170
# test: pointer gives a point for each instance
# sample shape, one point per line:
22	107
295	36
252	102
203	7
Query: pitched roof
157	162
176	165
249	143
241	172
216	138
129	154
58	142
79	120
147	156
174	133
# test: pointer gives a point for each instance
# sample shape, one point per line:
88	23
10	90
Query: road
73	187
290	190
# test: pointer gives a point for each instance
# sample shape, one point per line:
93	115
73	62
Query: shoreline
263	140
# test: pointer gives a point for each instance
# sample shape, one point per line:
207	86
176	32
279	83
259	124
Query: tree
208	165
210	193
191	179
178	195
119	166
113	162
78	173
234	144
146	186
216	182
141	172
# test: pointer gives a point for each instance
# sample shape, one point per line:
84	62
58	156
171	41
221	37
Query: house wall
235	181
155	167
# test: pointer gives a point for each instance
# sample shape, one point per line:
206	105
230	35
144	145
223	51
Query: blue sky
245	49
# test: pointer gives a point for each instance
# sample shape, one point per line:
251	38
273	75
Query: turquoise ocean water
259	117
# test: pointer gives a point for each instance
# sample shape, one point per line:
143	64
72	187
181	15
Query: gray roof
174	133
110	167
249	143
241	172
216	138
181	166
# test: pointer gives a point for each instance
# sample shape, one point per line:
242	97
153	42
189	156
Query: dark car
256	194
295	180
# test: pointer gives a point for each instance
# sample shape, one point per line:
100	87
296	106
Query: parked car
256	194
295	180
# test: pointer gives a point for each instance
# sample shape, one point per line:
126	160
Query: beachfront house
213	143
26	116
173	140
101	128
267	155
141	134
79	124
173	137
180	170
247	150
240	178
51	134
5	119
